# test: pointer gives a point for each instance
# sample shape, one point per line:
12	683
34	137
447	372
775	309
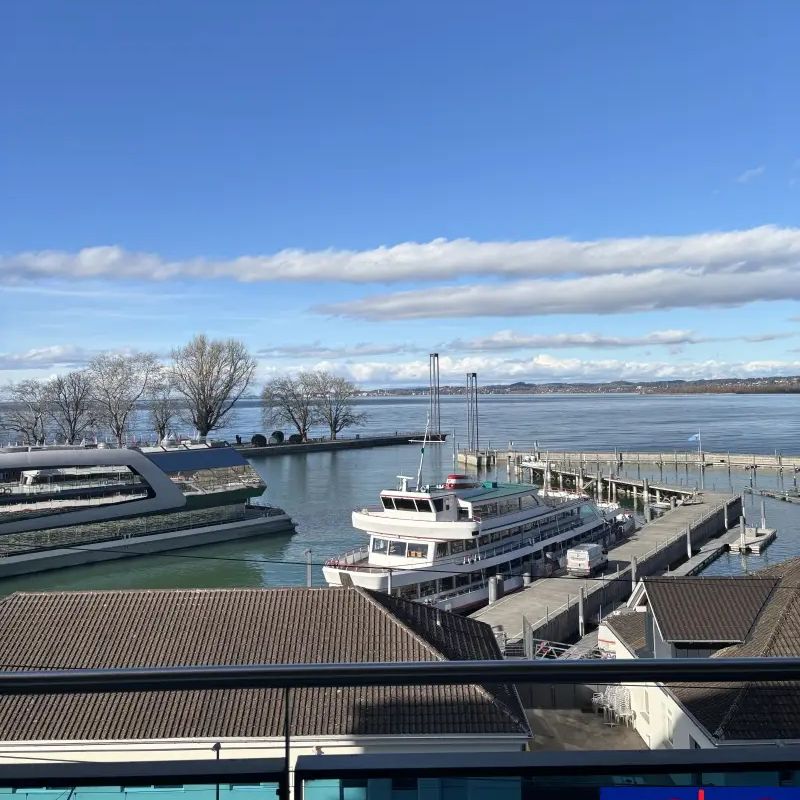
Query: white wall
194	749
659	719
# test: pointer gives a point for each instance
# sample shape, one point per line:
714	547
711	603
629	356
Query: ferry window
445	584
417	550
404	504
441	549
528	501
397	548
423	505
379	545
528	526
409	592
438	504
469	544
457	546
387	503
508	506
496	537
427	588
516	563
490	509
462	580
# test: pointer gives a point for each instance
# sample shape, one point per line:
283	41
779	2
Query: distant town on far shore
771	385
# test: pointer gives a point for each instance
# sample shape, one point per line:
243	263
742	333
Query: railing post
287	791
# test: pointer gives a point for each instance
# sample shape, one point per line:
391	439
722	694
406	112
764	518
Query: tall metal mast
473	438
435	412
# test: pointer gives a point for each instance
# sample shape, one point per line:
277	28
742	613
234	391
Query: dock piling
581	612
763	513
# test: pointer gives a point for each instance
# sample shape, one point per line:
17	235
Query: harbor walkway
559	607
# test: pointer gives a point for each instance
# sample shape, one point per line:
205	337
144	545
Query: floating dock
557	608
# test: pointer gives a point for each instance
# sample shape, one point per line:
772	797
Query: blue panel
201	458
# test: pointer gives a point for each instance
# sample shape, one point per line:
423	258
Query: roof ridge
442	657
400	624
166	590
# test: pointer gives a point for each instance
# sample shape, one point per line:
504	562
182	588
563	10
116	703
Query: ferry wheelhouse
441	544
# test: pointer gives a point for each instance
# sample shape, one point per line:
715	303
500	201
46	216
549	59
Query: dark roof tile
67	630
707	609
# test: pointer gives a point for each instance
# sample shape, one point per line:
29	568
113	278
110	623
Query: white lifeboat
459	482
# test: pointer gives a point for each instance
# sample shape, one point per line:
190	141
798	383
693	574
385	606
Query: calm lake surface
320	490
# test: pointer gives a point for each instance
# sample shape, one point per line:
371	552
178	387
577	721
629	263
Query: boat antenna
422	451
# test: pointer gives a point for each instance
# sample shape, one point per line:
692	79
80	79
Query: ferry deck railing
583	773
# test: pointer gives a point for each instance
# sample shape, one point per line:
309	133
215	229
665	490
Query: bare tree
211	375
26	411
118	382
335	402
69	405
292	401
163	406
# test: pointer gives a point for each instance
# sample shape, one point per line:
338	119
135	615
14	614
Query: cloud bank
441	259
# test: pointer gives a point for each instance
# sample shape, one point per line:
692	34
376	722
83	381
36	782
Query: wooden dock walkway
553	609
590	459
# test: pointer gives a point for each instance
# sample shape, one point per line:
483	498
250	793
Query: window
417	550
476	577
404	504
445	584
457	546
397	548
470	544
438	504
441	549
423	506
462	580
483	541
427	588
528	501
388	504
379	545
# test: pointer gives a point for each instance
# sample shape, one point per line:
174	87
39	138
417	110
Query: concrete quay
331	445
558	608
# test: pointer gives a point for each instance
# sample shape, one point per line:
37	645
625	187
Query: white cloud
46	358
751	174
319	350
608	294
440	259
511	340
544	368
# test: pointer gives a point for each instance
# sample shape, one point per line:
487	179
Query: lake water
320	490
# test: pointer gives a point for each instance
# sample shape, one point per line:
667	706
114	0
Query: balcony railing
541	774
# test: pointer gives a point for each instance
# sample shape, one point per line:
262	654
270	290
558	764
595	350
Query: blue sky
539	191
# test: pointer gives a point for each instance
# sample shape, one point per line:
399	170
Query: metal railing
289	677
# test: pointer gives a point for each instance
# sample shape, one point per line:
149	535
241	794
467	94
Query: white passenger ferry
441	544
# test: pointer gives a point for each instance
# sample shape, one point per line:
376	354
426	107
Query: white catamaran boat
441	544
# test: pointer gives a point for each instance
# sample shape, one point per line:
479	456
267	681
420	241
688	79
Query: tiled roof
756	710
65	630
630	629
707	609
